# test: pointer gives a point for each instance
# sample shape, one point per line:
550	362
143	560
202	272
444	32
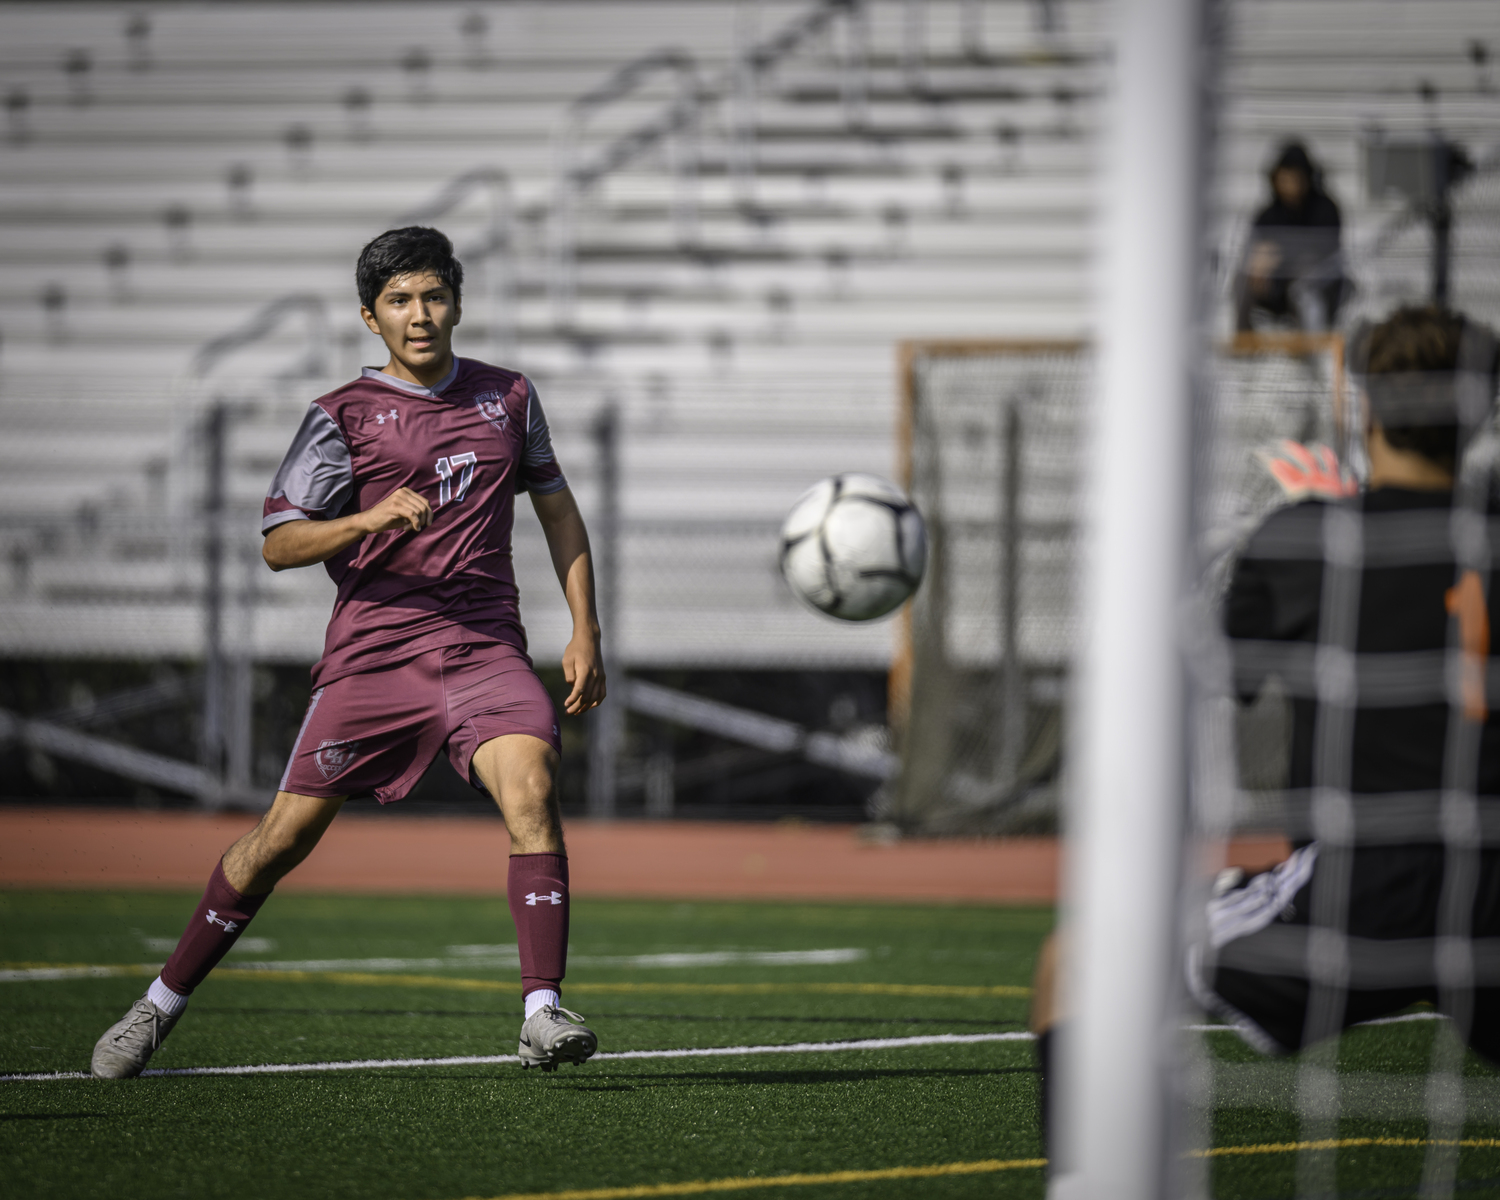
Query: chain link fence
996	445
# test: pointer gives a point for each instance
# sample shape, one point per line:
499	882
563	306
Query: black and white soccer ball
854	547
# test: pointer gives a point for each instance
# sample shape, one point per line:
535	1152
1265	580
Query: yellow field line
699	1186
385	979
370	979
1344	1144
835	989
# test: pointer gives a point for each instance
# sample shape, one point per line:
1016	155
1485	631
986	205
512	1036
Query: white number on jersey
445	469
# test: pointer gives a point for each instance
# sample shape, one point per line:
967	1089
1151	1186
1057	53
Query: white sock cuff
535	1001
165	998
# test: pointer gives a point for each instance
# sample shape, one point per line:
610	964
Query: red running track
380	853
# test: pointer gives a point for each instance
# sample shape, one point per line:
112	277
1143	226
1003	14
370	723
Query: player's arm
568	541
305	542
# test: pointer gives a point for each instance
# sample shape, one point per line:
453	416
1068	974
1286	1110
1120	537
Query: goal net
993	439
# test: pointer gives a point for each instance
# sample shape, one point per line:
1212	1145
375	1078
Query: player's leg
504	739
1251	969
1043	1023
1483	1033
371	734
520	772
281	839
240	883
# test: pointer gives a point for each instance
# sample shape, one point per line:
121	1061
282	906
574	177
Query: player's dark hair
1430	374
407	251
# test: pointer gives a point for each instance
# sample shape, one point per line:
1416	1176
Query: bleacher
808	183
167	180
1335	73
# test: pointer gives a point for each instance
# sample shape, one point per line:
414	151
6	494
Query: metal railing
678	126
263	324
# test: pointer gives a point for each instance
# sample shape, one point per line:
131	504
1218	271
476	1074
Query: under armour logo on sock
229	926
532	898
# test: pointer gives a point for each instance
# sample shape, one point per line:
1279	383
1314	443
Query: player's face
414	316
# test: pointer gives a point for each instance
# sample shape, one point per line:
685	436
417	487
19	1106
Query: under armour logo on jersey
215	919
391	415
532	898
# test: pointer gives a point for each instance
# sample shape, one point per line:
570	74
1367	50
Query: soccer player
403	484
1367	598
1410	604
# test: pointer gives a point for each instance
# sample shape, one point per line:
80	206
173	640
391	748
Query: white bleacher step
143	143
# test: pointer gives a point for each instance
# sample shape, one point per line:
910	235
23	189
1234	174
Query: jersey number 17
446	467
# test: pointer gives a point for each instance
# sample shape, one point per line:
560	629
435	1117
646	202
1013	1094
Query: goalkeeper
1381	636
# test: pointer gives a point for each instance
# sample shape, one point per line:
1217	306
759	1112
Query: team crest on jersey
492	408
332	757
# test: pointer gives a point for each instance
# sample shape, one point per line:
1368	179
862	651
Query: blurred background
739	246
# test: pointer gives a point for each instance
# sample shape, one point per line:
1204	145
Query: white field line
41	974
469	1060
503	958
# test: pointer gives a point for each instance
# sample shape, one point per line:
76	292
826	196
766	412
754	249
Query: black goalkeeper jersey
1409	631
1409	613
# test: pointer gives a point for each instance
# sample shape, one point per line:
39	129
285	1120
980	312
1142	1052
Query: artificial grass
445	1132
439	1132
452	1132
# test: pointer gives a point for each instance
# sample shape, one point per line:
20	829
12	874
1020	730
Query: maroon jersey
468	444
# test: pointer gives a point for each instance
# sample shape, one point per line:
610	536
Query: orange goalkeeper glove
1306	471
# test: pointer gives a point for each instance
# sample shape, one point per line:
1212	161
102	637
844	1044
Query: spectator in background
1292	271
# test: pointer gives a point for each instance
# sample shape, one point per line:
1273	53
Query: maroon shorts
375	733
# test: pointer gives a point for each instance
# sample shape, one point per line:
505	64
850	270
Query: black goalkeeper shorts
1251	972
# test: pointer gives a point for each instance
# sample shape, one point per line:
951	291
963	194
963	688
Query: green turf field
381	979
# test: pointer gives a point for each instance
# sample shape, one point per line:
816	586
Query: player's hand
1304	471
402	509
583	668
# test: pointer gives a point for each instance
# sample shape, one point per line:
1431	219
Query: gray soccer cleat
553	1035
127	1045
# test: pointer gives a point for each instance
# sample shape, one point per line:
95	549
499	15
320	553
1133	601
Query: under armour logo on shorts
332	757
532	898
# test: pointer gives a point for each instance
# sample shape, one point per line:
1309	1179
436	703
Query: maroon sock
221	917
538	890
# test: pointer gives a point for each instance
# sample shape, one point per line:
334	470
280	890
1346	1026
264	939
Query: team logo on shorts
491	408
333	757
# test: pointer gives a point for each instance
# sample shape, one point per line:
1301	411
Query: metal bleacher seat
167	185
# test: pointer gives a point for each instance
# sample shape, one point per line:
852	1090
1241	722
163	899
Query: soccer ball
853	547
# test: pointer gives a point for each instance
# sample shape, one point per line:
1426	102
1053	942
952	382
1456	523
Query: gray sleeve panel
316	476
538	451
271	520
